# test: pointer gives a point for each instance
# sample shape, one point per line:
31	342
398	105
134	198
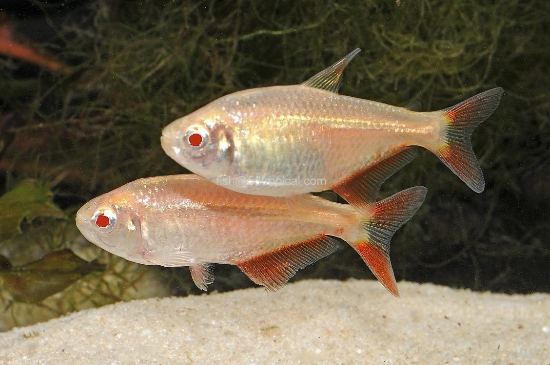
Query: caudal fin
387	217
456	148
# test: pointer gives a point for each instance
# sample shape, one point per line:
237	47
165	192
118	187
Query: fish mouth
83	226
80	223
166	141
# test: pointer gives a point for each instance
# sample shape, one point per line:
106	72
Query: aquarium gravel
309	322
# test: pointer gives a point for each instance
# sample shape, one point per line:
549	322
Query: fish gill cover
94	124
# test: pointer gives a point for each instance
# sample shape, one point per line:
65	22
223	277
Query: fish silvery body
286	140
185	220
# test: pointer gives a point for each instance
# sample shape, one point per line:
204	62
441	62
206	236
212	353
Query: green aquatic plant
53	273
28	200
50	270
46	267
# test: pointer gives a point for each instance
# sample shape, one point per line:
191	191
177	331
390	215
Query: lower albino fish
185	220
286	140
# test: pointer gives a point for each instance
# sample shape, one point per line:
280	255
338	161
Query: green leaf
29	199
34	282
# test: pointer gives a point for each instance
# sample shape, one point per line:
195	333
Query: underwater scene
87	89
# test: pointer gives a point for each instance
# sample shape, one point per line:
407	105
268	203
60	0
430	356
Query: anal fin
361	189
273	269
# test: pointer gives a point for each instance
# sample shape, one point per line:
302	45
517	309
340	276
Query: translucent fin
388	216
171	258
361	189
273	269
456	149
202	275
414	105
330	79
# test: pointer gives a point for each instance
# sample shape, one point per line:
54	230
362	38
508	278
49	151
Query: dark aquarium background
87	86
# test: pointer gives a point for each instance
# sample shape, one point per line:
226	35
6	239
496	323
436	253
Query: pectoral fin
273	269
170	258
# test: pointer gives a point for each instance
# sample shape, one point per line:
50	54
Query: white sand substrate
308	322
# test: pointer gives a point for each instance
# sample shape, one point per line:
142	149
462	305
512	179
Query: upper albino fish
286	140
185	220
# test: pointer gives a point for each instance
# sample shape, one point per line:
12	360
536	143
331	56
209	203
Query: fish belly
216	225
228	239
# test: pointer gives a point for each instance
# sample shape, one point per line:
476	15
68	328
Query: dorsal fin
273	269
330	79
361	189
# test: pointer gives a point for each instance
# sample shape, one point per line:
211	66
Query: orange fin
388	216
456	150
273	269
330	79
379	263
10	47
202	276
361	189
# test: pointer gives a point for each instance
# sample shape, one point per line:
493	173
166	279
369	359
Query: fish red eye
102	221
195	139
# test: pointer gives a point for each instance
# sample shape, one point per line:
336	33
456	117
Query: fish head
113	225
202	142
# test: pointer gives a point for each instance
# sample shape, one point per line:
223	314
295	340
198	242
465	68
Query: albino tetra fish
185	220
286	140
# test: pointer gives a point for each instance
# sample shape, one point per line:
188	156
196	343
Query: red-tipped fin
388	216
273	269
361	189
456	150
379	263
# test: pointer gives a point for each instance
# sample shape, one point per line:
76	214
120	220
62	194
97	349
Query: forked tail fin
387	217
455	149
